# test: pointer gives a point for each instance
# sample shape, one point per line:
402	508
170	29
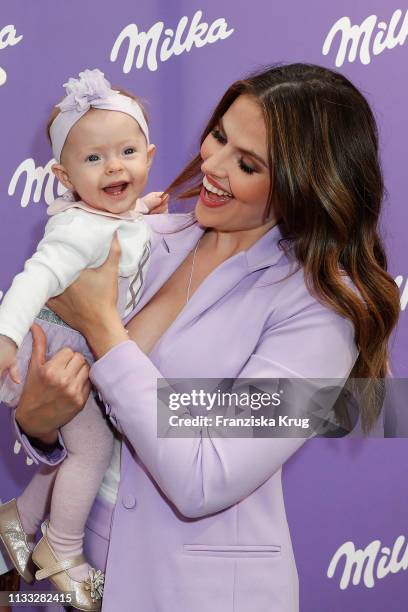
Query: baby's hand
156	202
8	352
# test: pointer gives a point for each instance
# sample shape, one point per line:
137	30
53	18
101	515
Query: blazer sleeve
47	454
203	474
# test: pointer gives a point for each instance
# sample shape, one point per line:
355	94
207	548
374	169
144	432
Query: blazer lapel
172	245
263	254
217	284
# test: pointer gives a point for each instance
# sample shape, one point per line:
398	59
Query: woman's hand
54	391
89	304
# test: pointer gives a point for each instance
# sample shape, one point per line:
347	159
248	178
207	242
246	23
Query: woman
279	272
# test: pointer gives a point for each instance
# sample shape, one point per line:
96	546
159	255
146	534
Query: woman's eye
130	150
218	136
93	157
245	168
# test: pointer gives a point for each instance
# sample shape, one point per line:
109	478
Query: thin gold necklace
193	263
192	270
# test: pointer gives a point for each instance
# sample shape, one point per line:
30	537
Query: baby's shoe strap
61	566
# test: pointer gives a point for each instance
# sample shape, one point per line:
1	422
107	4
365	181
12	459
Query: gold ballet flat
86	595
16	541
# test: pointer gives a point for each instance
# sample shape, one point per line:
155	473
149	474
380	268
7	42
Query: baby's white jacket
76	237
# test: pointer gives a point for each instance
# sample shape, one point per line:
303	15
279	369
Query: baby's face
106	160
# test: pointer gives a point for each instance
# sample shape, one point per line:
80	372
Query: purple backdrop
336	491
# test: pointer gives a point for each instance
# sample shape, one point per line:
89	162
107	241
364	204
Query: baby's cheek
144	173
142	168
141	176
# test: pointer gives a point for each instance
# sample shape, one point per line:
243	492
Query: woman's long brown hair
327	187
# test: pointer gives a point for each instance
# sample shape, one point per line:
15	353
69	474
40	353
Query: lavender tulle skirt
59	335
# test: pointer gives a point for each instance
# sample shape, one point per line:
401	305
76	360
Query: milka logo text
370	37
403	286
37	179
160	42
17	449
8	38
373	562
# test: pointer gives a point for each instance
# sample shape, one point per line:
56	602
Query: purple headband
90	90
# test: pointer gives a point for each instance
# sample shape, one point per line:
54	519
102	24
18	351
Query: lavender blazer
200	522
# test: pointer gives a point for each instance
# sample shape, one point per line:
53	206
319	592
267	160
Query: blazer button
129	501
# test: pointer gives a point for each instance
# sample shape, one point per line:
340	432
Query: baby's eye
93	157
129	150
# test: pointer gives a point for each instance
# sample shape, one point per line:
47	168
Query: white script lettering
362	38
39	176
17	449
403	286
145	45
8	38
375	561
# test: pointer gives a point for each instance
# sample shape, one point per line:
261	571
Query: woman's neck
226	244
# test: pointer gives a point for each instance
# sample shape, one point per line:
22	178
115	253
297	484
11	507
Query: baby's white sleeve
68	247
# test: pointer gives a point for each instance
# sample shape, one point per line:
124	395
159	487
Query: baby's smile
116	189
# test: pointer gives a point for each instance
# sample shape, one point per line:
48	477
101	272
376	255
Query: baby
100	140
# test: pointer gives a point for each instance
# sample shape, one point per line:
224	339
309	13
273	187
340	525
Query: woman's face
235	164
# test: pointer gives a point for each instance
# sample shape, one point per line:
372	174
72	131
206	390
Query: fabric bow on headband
91	89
